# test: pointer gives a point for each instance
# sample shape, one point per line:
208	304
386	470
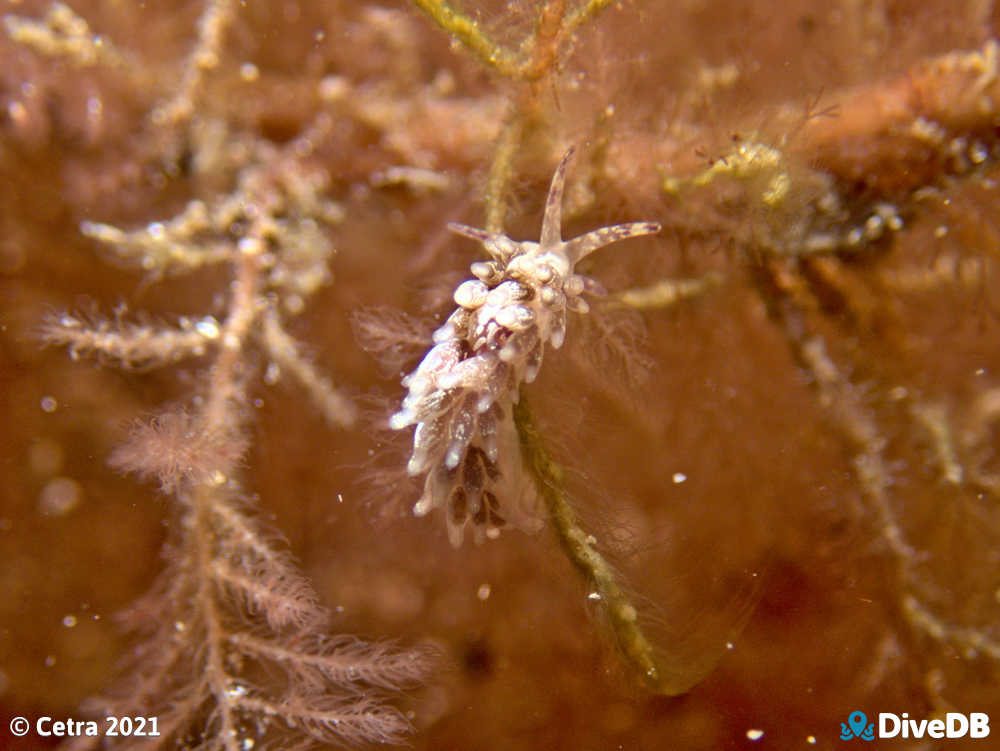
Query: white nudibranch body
460	396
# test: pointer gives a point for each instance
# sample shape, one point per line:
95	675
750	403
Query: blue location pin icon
857	721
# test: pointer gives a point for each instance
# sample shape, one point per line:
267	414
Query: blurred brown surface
768	484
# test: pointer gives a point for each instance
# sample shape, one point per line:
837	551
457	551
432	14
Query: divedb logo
954	725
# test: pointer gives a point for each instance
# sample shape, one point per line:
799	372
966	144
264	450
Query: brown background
770	487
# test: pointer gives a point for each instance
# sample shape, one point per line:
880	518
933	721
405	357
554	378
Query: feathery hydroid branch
273	220
237	653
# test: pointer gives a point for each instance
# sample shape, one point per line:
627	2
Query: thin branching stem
467	31
545	42
581	548
218	413
501	167
214	655
584	13
212	25
536	59
338	410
